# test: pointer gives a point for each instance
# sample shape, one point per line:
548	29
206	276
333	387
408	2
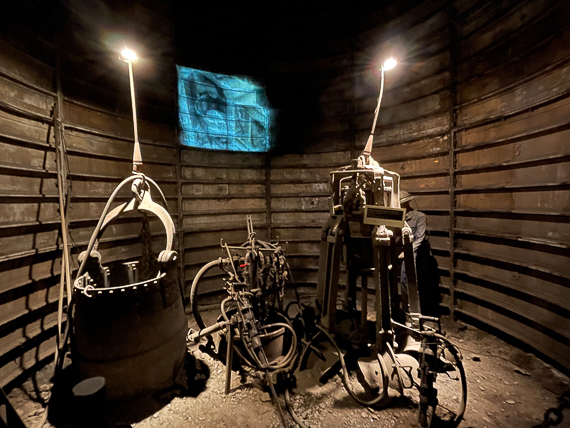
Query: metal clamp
141	201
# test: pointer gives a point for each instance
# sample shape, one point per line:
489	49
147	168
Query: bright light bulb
389	64
128	55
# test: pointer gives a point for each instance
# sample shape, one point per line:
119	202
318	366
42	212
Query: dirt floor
506	388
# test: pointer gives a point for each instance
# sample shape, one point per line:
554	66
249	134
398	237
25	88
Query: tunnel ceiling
295	49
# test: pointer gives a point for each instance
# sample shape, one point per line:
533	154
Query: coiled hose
200	322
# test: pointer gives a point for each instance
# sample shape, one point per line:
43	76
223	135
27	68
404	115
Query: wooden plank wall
99	147
511	170
311	55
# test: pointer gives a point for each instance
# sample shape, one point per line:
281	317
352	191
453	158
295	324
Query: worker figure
426	266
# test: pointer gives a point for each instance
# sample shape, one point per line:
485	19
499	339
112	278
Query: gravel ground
506	388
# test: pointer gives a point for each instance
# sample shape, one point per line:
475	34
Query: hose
294	415
194	292
95	233
458	357
101	219
345	378
292	349
272	366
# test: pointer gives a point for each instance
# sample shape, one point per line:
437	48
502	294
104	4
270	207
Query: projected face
222	112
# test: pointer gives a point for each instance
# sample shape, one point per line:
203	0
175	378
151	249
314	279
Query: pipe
294	415
346	380
368	148
195	337
137	158
194	291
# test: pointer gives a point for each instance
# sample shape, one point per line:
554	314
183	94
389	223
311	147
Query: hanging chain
554	415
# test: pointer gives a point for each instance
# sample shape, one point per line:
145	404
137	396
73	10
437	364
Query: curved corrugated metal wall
511	199
475	120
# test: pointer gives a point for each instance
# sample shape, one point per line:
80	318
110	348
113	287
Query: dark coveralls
417	221
426	265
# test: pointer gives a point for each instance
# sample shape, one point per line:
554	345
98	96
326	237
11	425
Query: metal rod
364	302
137	157
208	331
368	148
229	358
379	101
274	393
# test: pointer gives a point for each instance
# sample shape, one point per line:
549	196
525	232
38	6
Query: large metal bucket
130	330
132	335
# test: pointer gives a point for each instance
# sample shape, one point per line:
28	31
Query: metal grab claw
142	201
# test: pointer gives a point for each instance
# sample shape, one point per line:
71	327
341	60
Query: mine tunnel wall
98	135
474	120
509	171
476	123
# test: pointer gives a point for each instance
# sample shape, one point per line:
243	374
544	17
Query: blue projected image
222	112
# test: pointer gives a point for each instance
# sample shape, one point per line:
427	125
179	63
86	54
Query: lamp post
389	64
129	56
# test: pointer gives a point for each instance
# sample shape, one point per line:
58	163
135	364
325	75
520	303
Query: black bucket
133	335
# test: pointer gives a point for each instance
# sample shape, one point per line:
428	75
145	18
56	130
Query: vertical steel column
229	357
364	303
452	160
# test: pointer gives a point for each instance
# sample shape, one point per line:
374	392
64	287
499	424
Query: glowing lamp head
389	64
128	55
